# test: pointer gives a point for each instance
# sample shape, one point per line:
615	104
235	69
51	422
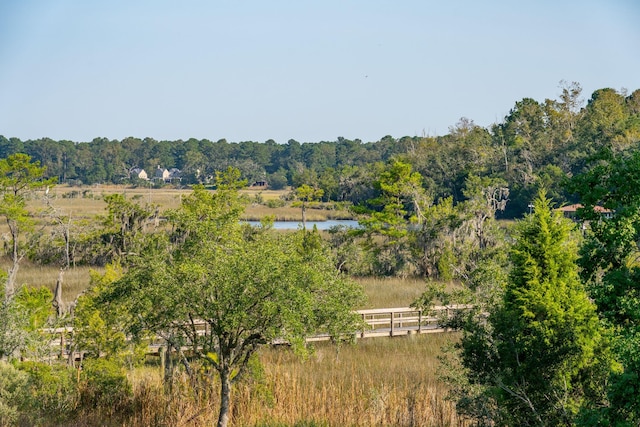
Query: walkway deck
379	322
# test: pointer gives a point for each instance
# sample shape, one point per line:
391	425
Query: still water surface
322	225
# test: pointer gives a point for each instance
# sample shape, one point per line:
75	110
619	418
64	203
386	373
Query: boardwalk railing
378	322
391	322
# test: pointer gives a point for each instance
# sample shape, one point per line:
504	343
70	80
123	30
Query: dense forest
538	144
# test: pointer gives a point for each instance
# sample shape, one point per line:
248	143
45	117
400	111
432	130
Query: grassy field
380	292
87	202
385	382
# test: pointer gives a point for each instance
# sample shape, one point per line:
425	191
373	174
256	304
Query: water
321	225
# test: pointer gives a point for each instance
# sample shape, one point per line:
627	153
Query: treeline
538	144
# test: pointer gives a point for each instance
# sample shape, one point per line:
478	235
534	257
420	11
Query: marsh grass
391	292
87	202
386	382
375	382
75	280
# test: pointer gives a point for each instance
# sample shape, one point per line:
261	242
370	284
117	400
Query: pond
321	225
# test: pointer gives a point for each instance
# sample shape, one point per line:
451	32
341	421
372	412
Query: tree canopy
223	289
541	357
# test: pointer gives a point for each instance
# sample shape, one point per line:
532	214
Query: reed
391	292
87	202
395	291
389	382
75	279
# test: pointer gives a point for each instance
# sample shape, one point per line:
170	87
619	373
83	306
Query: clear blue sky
307	70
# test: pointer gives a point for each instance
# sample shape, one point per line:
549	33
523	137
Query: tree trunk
10	286
58	303
225	397
304	216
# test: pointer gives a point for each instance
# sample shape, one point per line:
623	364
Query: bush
104	385
275	203
12	383
50	393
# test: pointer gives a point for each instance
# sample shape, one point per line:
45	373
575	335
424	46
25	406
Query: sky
253	70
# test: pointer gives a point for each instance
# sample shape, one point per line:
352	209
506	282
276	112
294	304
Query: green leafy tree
434	238
100	332
12	384
21	321
19	179
306	197
399	202
541	357
123	227
610	266
248	286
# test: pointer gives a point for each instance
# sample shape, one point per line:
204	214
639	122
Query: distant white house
167	175
139	173
161	174
175	174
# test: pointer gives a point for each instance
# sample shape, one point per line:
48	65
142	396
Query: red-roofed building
571	211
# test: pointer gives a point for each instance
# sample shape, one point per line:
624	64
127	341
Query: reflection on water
321	225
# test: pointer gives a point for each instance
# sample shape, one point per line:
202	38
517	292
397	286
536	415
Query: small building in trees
139	173
161	174
260	183
167	175
571	211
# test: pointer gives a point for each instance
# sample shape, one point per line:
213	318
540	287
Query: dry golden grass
391	292
380	292
387	382
75	280
89	202
265	194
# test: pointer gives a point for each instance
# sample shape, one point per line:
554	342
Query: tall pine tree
540	357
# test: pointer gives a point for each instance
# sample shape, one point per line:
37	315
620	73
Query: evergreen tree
540	357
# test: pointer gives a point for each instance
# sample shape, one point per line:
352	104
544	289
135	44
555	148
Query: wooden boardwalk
399	321
378	322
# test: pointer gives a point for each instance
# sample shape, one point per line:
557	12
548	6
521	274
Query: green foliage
37	303
99	330
123	227
12	384
19	178
431	241
306	197
609	259
249	285
104	385
541	357
400	196
12	332
21	321
51	392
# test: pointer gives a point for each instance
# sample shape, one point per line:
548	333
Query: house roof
576	206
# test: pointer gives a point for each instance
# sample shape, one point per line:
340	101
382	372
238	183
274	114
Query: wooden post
391	332
62	344
162	352
419	321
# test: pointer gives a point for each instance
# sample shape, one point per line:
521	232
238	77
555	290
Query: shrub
12	382
275	203
50	393
104	385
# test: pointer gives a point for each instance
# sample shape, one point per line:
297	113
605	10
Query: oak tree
223	289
